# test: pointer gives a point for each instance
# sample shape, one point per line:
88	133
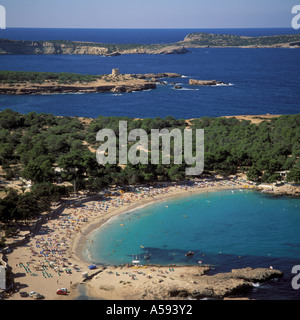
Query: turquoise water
228	229
214	226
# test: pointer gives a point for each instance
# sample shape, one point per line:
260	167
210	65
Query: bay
226	229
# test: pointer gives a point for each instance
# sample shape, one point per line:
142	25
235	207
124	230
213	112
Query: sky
148	13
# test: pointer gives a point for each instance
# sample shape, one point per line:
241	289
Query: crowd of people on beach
50	249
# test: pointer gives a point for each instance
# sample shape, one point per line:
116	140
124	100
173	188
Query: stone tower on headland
115	72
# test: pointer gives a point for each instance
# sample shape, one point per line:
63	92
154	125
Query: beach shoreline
80	240
73	256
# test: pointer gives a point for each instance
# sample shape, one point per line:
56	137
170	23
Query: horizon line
149	28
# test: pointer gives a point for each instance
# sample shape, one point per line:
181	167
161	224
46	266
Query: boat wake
186	89
223	85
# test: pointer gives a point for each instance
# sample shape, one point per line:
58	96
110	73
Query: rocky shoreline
175	282
280	190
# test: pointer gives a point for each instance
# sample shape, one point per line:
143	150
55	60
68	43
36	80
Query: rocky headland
175	282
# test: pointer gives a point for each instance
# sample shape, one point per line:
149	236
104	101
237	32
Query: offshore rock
194	82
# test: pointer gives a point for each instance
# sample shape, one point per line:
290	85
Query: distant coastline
192	40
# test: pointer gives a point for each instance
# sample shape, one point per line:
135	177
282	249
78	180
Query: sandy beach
53	257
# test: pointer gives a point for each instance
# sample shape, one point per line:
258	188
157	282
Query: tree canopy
47	149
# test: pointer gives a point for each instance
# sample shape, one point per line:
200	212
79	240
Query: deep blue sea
262	80
228	229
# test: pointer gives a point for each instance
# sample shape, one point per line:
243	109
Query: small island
31	82
194	82
27	82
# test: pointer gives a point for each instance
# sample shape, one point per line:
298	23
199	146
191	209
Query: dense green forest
266	148
33	146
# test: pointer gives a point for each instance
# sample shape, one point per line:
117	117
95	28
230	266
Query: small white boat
136	262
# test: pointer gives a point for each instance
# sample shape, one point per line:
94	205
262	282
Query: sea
260	81
229	229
